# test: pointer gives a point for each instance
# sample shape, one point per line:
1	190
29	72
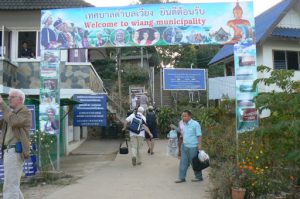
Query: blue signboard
92	111
184	79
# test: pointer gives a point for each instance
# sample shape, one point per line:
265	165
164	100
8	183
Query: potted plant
237	190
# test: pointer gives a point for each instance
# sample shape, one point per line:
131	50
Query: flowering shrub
45	149
269	157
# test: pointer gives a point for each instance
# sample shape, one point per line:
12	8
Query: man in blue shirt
192	137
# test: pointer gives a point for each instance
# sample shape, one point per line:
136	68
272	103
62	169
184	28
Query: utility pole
207	88
142	57
119	78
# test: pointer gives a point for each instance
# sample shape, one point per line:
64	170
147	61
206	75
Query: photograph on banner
247	119
49	119
150	24
146	36
248	115
49	83
51	56
245	54
245	86
49	96
246	73
246	111
49	70
245	99
101	38
119	37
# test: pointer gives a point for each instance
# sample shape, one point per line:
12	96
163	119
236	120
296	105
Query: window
292	60
27	44
286	60
5	36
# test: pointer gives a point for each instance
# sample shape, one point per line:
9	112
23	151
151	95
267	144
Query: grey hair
52	109
18	92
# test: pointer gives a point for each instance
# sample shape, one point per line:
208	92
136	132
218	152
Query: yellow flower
257	157
266	167
261	152
262	170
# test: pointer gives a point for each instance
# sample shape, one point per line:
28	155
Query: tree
279	132
106	68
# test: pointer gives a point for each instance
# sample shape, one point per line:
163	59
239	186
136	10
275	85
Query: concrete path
120	180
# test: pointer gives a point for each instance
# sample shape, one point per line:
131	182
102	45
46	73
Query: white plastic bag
172	148
203	156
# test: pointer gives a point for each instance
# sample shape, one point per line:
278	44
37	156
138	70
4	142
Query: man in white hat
137	138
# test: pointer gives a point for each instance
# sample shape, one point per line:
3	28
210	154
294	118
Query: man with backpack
137	128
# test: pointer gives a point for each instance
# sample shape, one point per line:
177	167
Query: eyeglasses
11	97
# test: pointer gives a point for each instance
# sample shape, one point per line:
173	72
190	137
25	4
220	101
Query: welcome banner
147	25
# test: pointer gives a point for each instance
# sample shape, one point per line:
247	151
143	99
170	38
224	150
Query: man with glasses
15	125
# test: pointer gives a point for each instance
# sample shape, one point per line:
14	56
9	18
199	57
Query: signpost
92	111
184	79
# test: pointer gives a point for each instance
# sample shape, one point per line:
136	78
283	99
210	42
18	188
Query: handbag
123	150
198	165
18	147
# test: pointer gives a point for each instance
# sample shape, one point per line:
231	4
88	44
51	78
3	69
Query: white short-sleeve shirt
129	119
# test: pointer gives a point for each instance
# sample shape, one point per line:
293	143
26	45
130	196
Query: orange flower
251	168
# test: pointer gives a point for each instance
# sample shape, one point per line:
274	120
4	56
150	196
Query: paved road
120	180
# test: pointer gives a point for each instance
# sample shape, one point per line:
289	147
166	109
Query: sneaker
148	151
197	180
179	180
133	161
139	163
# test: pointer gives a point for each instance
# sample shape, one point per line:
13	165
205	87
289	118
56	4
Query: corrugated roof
224	52
41	4
287	33
264	25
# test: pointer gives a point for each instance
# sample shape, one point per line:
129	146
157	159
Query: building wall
291	19
27	76
9	74
20	19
